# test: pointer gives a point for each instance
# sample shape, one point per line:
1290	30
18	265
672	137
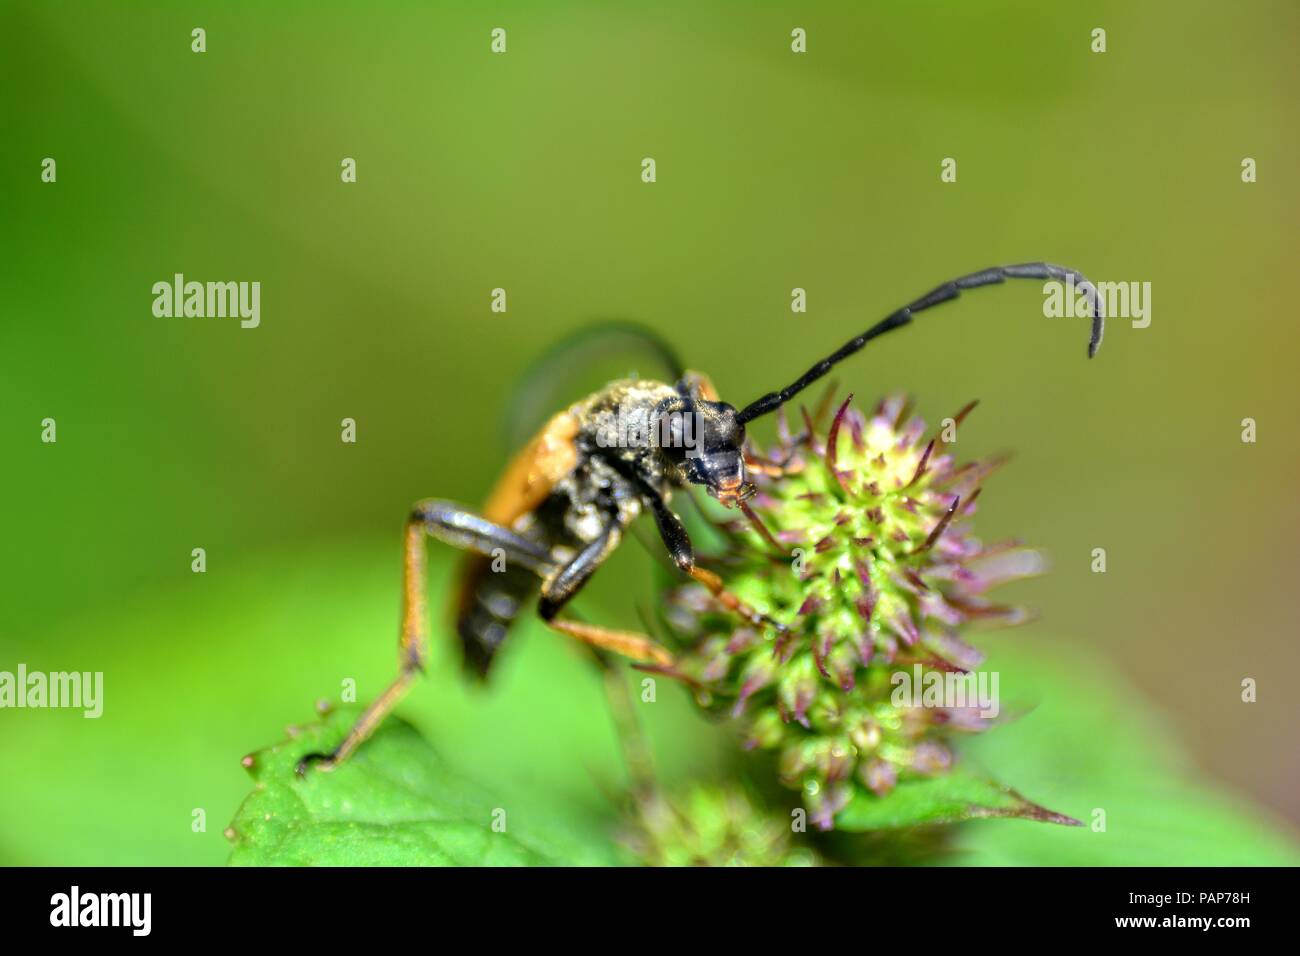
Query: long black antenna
949	290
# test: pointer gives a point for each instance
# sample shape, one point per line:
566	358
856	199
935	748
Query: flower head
859	543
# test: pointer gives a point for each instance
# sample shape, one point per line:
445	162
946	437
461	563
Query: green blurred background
522	171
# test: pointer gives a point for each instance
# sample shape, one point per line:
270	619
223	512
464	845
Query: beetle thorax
619	423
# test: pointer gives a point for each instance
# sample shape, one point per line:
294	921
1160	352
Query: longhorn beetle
564	502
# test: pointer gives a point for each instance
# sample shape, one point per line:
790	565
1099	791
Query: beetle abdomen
490	604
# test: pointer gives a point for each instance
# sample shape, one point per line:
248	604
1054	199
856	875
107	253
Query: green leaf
948	798
1095	747
1078	736
394	803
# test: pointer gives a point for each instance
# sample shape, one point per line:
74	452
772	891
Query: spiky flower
861	548
713	825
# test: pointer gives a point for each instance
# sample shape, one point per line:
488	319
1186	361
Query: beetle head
704	445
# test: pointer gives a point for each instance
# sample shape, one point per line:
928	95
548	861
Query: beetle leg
639	647
462	528
679	546
565	583
772	469
732	603
456	526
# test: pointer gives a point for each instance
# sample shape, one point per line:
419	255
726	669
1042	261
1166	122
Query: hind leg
456	526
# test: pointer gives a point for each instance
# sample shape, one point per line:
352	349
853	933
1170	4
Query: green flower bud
713	826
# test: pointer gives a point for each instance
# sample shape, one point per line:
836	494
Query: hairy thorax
613	439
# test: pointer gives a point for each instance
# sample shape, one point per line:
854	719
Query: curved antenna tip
1098	315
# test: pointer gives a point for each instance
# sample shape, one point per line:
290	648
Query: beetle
564	502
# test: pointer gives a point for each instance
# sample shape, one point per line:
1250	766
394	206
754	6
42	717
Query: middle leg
562	586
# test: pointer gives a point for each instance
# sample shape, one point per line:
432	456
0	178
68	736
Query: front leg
772	469
679	546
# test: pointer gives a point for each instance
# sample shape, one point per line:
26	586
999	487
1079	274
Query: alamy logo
1119	300
635	428
948	690
210	300
103	909
61	689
